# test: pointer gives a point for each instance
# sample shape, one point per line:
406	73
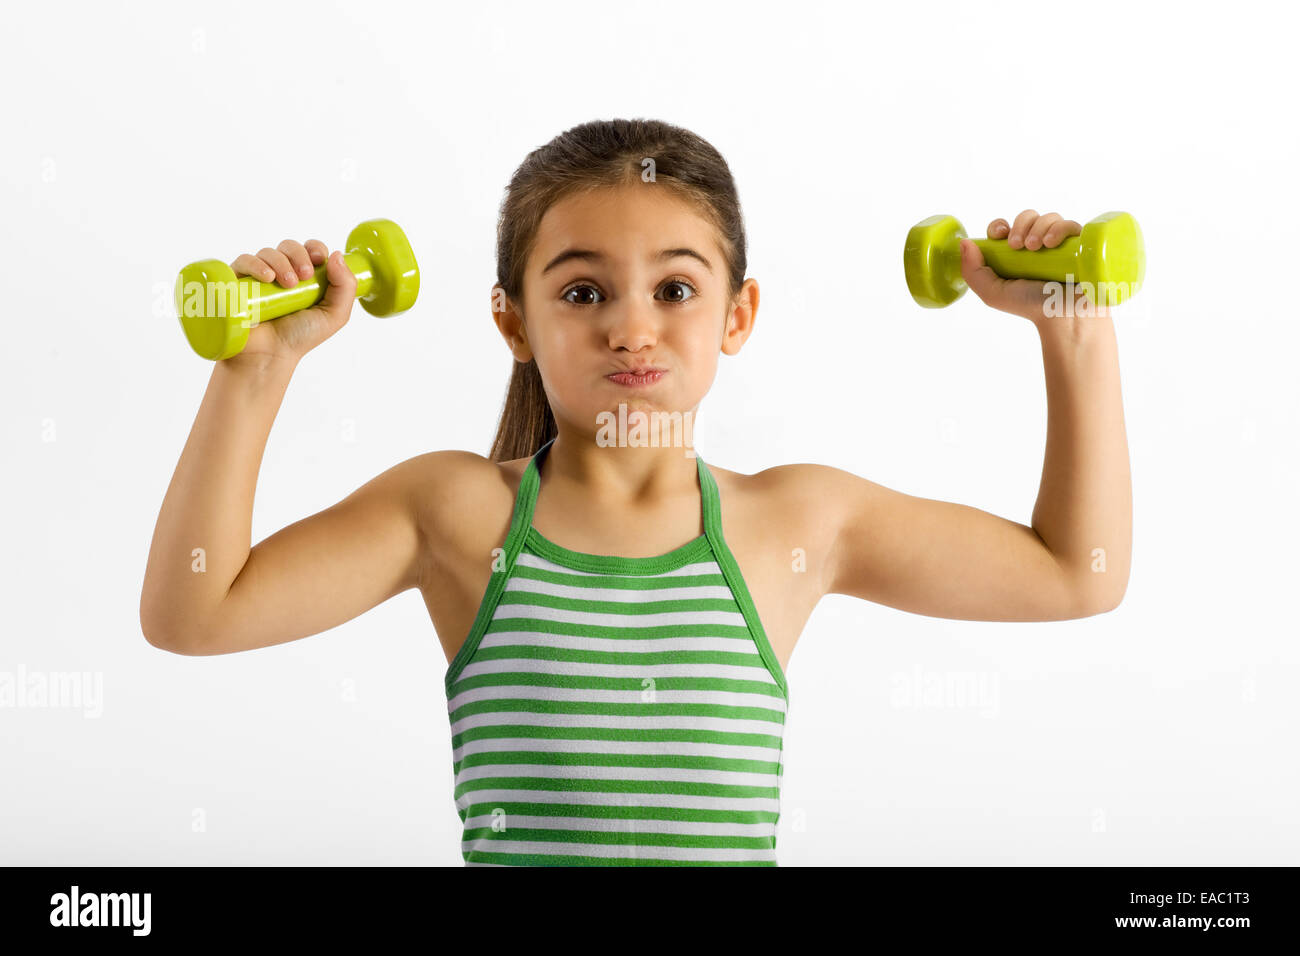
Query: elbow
174	646
1104	607
167	639
1100	601
154	634
150	627
160	639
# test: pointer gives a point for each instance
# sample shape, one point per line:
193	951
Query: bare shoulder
799	485
451	488
790	506
462	502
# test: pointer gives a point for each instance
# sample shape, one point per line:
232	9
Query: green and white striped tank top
612	711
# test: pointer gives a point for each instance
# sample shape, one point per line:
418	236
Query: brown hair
602	153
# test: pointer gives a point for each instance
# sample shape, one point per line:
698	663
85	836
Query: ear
510	323
742	312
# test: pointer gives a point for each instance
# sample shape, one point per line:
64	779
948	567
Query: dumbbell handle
270	300
1041	263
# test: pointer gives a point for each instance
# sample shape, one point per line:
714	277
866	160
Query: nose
633	325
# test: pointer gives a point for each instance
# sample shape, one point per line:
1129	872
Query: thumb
341	288
980	277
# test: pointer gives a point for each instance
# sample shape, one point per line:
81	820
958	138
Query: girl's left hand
1028	298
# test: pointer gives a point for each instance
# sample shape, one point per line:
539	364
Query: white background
140	137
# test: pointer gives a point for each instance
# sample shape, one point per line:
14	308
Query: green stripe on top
617	711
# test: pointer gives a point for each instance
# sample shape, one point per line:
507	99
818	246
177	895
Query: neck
618	476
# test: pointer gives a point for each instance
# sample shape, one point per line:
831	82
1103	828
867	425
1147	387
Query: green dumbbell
1108	260
217	308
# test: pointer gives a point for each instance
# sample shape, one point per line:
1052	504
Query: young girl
618	616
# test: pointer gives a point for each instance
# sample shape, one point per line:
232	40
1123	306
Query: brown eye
680	297
581	288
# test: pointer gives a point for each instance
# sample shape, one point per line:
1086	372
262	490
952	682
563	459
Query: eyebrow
592	255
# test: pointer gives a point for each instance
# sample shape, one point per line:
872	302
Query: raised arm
205	590
954	561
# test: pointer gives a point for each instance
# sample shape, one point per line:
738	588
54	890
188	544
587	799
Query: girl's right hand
292	336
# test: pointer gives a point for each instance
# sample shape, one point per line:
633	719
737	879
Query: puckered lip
636	369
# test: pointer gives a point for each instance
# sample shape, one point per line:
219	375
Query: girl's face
622	277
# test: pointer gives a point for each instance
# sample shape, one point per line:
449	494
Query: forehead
633	220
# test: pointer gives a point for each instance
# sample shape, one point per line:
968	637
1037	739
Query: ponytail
526	420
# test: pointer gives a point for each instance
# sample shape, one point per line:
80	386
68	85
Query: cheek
702	335
557	335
